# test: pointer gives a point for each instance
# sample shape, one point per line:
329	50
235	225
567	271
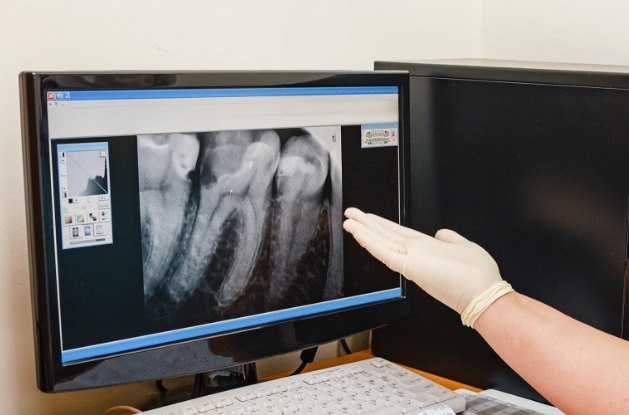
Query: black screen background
370	183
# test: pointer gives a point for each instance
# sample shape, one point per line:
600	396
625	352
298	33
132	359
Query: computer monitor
180	223
530	160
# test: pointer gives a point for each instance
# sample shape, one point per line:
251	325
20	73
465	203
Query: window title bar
54	95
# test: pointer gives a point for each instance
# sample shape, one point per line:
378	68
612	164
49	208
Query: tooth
237	169
165	161
301	230
259	165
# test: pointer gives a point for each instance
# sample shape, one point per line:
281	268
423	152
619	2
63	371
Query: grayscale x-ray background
239	222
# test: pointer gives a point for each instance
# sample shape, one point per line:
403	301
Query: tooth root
242	261
302	172
164	191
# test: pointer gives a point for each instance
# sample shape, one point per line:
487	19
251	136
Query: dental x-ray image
239	222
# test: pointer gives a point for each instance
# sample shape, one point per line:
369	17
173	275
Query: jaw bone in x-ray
240	221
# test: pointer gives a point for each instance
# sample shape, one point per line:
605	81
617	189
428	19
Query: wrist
483	301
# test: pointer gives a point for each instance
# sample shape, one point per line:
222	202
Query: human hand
455	271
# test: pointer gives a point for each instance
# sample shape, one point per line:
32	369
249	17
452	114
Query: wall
194	34
557	31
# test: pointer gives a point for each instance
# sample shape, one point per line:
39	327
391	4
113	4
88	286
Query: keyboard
482	404
374	386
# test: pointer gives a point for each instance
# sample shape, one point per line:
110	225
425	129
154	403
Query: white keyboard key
191	410
246	395
378	362
425	401
441	395
391	410
223	402
279	388
409	405
314	379
206	406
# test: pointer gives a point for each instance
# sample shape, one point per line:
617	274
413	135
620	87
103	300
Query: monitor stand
206	383
221	380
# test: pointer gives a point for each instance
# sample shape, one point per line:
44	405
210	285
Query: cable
159	384
346	348
127	410
307	356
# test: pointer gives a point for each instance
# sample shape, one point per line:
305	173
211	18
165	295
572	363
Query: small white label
379	135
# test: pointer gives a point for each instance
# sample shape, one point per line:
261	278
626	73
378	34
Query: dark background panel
368	169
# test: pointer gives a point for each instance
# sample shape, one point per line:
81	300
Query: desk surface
366	354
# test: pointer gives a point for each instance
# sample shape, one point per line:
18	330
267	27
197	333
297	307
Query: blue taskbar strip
121	94
142	342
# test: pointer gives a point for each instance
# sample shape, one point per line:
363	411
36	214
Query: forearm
559	356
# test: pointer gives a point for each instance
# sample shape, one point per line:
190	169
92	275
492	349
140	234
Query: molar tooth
165	189
302	172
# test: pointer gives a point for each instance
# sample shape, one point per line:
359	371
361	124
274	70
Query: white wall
557	31
190	34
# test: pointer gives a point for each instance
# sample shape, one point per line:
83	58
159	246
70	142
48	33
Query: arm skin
579	369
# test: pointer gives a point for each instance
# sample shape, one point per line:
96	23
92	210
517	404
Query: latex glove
455	271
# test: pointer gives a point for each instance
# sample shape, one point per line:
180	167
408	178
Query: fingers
396	232
391	254
379	230
384	227
390	242
387	241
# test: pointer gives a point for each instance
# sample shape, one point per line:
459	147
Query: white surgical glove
455	271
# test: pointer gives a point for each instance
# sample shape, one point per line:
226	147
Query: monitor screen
185	222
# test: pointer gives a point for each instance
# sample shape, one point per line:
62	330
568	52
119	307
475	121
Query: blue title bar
55	95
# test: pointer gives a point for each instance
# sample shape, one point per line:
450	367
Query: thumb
446	235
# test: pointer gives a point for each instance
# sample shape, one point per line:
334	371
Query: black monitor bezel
193	356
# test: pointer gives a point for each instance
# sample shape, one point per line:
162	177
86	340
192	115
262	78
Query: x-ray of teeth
236	222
